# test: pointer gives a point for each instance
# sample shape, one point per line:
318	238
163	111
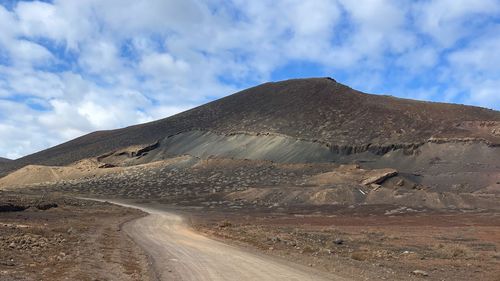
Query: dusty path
181	254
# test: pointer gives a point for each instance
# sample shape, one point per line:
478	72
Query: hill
3	160
317	110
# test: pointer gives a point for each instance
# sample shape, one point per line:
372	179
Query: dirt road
181	254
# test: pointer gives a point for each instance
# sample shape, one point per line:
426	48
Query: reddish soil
370	245
72	240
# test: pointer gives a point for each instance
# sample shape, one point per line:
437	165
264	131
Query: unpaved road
181	254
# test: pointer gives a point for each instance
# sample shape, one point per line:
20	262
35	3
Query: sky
71	67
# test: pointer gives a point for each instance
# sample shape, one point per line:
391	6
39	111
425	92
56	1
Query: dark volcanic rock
46	206
10	207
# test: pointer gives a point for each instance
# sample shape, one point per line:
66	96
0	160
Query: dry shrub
307	249
360	255
496	256
225	223
453	251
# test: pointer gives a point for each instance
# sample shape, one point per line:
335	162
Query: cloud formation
71	67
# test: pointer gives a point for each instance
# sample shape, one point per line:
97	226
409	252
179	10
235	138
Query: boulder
379	176
419	272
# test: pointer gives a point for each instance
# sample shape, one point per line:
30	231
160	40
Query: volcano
317	110
437	147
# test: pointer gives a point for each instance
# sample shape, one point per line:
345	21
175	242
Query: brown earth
32	174
322	215
60	238
259	182
369	243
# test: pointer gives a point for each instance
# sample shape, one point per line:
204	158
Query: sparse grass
453	251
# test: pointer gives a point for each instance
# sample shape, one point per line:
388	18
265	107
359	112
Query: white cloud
418	59
476	70
23	52
28	82
8	25
447	21
163	66
126	17
313	18
40	19
19	51
65	22
484	93
380	26
480	56
100	57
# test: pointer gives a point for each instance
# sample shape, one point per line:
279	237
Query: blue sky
71	67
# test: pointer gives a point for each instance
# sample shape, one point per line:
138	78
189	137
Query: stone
380	177
46	206
9	262
338	241
275	239
419	272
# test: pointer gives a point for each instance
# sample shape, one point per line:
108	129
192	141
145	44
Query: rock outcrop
379	176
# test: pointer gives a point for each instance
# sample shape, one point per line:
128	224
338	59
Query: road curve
181	254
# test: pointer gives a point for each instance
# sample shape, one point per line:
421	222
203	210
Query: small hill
32	174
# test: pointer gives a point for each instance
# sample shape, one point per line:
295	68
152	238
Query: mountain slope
318	109
4	159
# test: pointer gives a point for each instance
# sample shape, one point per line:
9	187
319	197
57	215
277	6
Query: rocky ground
60	238
265	183
336	218
187	177
370	242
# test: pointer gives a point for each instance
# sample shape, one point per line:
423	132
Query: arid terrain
52	237
302	177
370	243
